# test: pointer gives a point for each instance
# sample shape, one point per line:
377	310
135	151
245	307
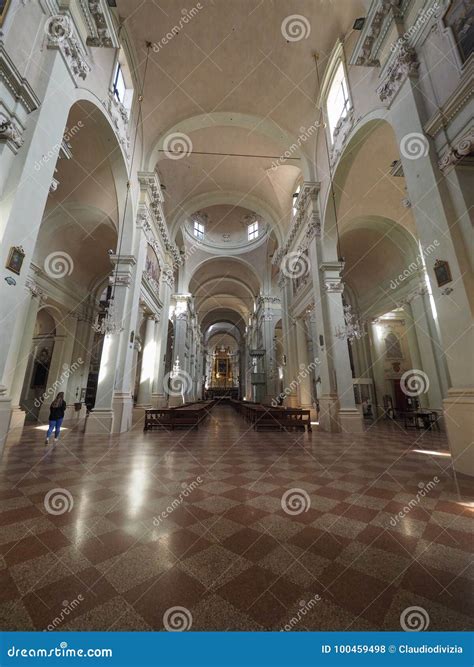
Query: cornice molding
404	65
17	85
377	25
99	23
150	187
460	149
308	194
454	104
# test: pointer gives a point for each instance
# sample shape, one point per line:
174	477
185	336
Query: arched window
198	229
295	197
338	101
252	231
122	85
393	348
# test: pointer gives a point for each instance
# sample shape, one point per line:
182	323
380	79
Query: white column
289	345
148	363
159	397
112	413
24	191
304	374
18	415
436	219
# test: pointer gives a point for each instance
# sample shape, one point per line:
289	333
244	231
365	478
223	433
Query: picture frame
15	258
442	272
459	19
4	4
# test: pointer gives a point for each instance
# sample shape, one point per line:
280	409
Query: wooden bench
268	416
189	415
283	418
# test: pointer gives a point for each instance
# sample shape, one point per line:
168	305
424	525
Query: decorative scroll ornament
353	329
108	324
405	65
10	132
463	148
59	33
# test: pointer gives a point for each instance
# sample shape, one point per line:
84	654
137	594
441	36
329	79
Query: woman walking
56	416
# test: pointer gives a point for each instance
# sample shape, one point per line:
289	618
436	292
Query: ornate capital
60	35
334	285
405	65
461	149
10	132
99	24
119	116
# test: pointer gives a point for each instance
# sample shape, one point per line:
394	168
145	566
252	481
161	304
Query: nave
241	529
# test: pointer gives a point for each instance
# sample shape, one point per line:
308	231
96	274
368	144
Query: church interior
236	369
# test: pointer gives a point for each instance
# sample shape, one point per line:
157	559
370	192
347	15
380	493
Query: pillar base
328	413
75	418
175	401
351	420
459	423
99	422
334	419
138	413
122	406
159	400
18	417
5	417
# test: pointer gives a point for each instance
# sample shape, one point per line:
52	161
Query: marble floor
226	528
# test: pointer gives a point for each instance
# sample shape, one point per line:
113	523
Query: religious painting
442	272
221	367
152	267
3	10
460	18
15	259
393	348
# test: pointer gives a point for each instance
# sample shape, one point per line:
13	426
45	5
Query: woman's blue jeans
54	425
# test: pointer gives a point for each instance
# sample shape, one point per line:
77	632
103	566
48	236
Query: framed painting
15	258
3	10
460	18
442	272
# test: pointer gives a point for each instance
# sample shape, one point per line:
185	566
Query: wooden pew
189	415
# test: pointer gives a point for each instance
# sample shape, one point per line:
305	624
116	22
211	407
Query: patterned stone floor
226	528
